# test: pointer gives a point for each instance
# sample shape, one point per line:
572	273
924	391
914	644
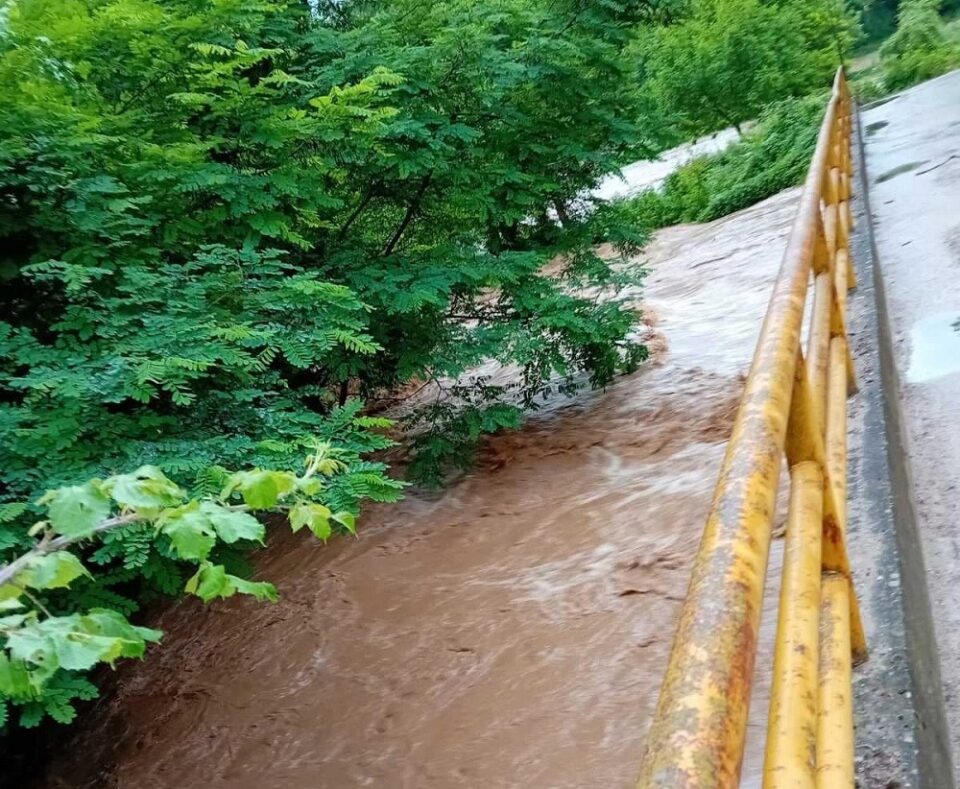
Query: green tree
919	48
221	221
721	65
879	17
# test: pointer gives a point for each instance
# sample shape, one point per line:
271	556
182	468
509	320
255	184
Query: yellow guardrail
793	403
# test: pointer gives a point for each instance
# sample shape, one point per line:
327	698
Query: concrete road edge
902	734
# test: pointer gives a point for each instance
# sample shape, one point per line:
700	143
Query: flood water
651	173
511	632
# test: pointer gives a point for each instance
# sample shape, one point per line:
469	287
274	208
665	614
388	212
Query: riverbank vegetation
919	49
771	156
228	227
227	224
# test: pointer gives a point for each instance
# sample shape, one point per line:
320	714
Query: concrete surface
898	703
912	147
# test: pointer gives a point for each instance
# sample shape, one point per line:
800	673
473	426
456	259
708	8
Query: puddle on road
512	631
934	347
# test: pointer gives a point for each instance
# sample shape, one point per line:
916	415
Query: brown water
509	633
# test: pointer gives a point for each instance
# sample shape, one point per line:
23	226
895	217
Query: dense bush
220	219
770	157
878	18
867	89
919	49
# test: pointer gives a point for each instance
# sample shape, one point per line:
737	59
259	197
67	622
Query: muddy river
510	632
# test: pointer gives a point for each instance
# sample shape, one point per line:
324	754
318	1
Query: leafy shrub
176	364
868	89
919	49
54	631
767	159
878	18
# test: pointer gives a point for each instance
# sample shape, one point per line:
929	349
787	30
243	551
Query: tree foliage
724	62
918	49
879	17
224	223
221	218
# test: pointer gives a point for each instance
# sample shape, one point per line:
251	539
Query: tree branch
355	214
47	545
412	210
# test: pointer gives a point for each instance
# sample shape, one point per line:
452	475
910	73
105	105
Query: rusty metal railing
793	403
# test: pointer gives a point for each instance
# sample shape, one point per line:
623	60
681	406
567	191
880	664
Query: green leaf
260	489
9	593
310	487
12	510
77	509
146	489
261	590
12	621
190	531
31	714
346	519
103	621
34	646
193	529
79	641
60	710
53	570
232	525
14	678
212	581
316	517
